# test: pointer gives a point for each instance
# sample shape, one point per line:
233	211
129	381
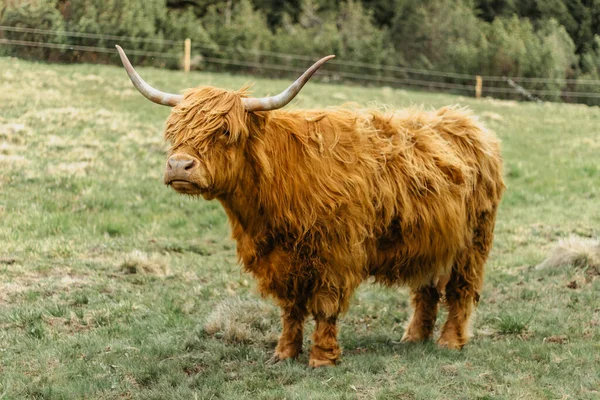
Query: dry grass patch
13	160
89	78
491	116
70	115
13	132
574	251
9	148
138	262
58	142
238	320
120	93
501	103
77	169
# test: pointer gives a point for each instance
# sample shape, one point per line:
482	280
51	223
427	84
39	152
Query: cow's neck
249	224
243	208
261	205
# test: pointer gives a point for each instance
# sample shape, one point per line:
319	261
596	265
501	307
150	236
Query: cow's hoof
279	356
318	363
449	343
412	338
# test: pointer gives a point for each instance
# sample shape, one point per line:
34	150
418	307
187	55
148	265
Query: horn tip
120	50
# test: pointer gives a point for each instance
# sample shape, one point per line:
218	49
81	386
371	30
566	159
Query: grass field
114	286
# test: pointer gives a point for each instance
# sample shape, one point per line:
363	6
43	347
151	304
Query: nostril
189	164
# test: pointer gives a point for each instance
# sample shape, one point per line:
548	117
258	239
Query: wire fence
94	49
226	56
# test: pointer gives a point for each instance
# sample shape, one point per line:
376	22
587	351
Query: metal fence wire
338	69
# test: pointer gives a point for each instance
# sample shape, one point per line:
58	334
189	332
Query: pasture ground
113	286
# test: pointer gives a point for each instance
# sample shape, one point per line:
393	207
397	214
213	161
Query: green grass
107	278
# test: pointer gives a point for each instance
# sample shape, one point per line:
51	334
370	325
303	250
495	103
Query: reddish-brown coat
320	200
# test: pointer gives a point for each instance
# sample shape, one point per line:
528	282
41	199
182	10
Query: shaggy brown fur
320	200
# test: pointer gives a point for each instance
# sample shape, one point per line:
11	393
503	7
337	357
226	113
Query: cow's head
208	129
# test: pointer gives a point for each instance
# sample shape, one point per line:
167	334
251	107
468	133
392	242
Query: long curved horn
154	95
283	98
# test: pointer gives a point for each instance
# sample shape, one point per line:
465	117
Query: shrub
315	34
590	67
40	14
145	20
243	30
119	18
360	39
439	34
515	49
350	34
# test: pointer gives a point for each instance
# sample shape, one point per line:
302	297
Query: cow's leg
326	350
466	281
425	307
290	341
325	306
462	293
460	300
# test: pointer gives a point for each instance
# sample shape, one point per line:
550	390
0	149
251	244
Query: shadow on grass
390	345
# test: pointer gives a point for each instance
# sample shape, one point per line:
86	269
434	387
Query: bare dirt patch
558	339
18	279
70	325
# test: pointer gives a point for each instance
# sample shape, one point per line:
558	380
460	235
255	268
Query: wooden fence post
187	51
478	86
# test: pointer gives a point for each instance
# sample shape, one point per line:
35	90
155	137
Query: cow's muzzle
179	173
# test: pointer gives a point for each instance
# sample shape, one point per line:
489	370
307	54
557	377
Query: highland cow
321	200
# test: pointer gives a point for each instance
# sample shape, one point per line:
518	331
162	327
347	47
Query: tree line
555	40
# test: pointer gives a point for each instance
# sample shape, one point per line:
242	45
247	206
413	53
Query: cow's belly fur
326	286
